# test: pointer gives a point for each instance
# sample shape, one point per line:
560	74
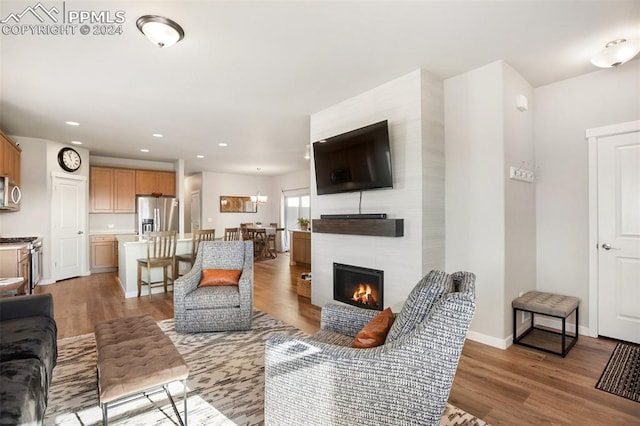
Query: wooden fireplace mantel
371	227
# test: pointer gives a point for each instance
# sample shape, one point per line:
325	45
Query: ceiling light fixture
76	142
144	150
200	156
157	135
616	53
162	32
72	123
222	144
259	198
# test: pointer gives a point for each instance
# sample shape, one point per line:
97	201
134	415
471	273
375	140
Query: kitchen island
134	247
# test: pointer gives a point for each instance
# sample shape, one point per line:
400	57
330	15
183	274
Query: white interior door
619	236
195	211
69	227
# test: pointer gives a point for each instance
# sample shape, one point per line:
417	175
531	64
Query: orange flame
364	294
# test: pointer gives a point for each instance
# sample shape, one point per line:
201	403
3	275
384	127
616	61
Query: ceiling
249	74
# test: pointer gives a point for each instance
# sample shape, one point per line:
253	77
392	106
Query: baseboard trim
489	340
556	324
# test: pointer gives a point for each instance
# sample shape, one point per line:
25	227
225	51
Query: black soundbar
354	216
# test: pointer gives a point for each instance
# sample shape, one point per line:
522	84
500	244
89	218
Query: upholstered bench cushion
135	355
546	303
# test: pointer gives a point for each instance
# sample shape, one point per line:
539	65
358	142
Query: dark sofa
28	353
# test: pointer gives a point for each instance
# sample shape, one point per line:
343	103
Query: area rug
621	376
225	385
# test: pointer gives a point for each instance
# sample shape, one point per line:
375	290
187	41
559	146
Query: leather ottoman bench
551	305
135	358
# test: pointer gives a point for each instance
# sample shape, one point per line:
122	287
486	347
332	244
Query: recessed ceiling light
200	156
72	123
222	144
157	135
76	142
144	150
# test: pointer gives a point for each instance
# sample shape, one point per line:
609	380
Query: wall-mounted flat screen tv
354	161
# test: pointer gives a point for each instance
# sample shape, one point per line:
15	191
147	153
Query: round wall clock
69	159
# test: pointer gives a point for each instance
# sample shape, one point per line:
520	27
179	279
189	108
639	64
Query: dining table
261	237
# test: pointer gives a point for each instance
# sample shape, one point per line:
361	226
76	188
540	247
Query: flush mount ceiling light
162	32
616	53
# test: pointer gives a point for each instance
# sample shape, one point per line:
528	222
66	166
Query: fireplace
362	287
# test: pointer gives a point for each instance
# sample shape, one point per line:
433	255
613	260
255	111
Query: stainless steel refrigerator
156	214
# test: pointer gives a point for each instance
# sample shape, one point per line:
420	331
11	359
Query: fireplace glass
362	287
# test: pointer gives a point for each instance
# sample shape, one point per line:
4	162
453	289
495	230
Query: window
295	207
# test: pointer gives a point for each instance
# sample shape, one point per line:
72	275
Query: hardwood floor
517	386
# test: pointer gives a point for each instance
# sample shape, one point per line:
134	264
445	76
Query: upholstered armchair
219	307
322	380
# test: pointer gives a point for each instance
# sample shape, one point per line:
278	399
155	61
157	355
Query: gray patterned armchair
322	380
216	308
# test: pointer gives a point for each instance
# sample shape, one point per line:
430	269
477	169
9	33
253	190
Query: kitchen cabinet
9	158
300	250
104	253
155	182
112	190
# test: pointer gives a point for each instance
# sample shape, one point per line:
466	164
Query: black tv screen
354	161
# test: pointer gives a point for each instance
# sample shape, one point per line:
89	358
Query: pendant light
259	198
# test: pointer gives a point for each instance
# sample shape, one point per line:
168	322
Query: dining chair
259	238
231	234
198	236
161	253
244	230
271	241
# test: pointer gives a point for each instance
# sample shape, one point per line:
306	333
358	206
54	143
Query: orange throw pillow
375	332
220	277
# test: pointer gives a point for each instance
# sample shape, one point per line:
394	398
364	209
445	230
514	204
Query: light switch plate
524	175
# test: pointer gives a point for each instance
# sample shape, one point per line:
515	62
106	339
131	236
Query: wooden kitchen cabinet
112	190
155	182
9	158
300	250
104	253
124	191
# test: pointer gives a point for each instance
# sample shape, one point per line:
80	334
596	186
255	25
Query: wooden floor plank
516	386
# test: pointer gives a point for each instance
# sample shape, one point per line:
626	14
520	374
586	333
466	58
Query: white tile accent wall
416	144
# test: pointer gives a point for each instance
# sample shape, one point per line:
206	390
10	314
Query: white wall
433	173
564	110
475	198
520	199
401	258
490	219
216	184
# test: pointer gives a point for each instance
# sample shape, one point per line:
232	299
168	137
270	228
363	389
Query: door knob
608	247
80	233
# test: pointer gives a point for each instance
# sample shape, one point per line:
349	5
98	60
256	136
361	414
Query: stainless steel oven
35	255
10	194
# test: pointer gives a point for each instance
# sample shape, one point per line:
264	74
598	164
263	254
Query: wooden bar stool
161	253
198	236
